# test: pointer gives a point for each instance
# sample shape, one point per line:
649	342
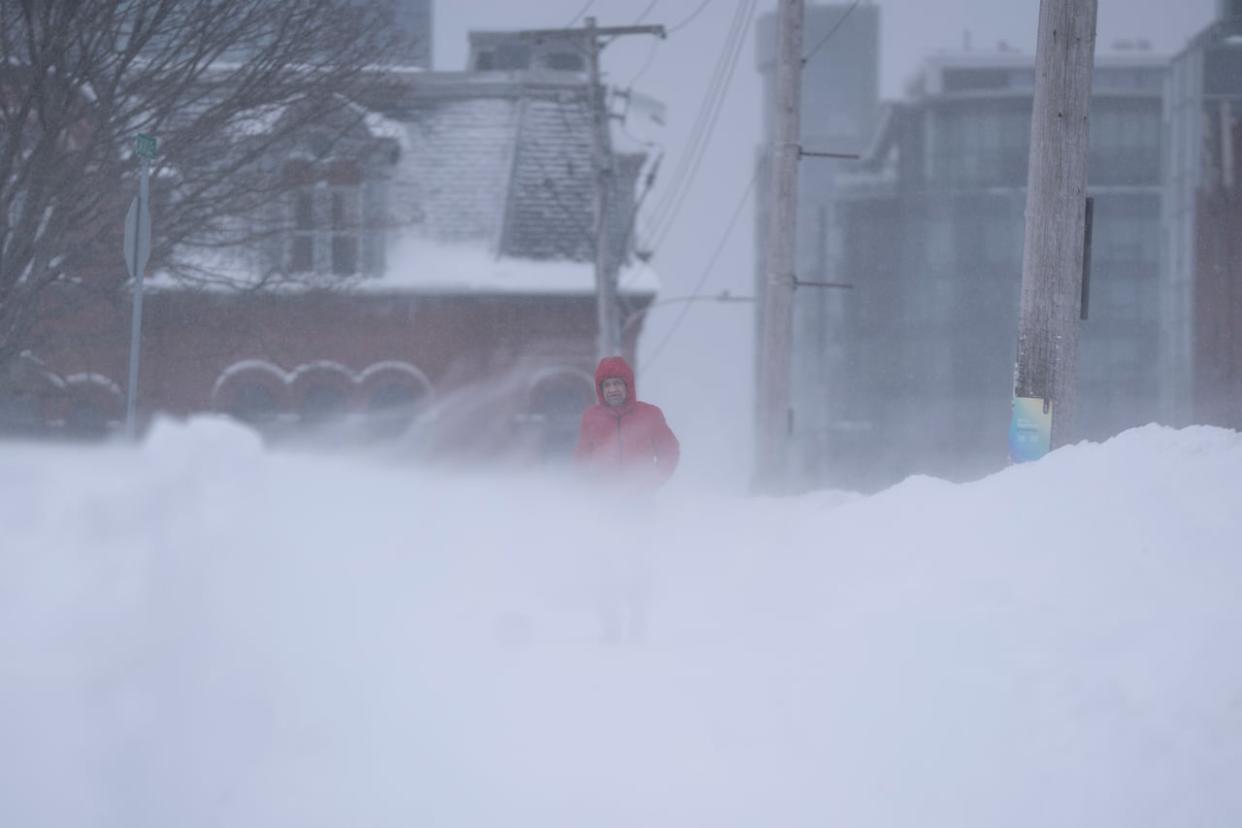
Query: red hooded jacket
629	441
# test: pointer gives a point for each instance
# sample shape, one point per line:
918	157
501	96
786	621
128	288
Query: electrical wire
690	19
699	120
646	12
578	16
831	31
670	205
670	216
698	286
651	53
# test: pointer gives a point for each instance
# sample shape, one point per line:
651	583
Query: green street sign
144	146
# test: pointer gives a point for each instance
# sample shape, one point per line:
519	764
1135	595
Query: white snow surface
203	632
419	264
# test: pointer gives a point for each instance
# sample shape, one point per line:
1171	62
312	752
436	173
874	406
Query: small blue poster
1030	429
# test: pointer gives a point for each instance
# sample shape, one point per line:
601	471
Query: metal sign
144	145
137	238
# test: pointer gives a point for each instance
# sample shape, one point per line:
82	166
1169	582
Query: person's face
614	391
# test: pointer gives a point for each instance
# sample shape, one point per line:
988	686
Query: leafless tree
224	84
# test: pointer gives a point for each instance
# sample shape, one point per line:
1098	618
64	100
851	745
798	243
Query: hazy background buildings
910	369
901	72
703	377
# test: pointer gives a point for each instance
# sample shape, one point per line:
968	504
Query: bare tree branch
229	86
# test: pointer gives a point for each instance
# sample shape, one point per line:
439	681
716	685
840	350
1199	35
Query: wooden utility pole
776	319
1056	199
608	323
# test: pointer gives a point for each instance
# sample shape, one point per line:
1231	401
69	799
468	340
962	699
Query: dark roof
502	159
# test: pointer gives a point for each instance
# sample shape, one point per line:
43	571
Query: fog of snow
200	631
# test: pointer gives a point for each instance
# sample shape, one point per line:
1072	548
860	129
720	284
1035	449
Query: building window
969	80
322	403
564	62
302	239
325	217
1125	144
970	147
345	227
255	403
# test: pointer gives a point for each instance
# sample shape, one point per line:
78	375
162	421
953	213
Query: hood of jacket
615	366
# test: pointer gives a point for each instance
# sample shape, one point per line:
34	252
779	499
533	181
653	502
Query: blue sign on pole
1030	429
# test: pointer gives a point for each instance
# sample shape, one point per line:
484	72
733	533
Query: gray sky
703	377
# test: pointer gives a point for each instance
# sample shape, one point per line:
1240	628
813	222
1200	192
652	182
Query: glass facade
979	144
1203	119
928	347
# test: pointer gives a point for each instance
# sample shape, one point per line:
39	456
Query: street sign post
137	238
144	146
137	252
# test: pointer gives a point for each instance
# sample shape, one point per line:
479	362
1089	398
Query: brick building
436	272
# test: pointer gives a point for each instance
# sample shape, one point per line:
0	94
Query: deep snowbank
201	633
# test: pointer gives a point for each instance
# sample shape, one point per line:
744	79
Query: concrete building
919	357
1203	225
840	105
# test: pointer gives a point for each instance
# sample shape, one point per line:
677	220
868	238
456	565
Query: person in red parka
622	438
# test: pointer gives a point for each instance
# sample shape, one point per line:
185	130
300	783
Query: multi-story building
1203	225
919	357
840	104
429	272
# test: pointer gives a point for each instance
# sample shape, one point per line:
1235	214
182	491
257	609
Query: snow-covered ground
202	633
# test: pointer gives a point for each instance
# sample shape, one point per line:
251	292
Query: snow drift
199	632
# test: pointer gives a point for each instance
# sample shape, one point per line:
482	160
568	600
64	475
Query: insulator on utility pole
1046	372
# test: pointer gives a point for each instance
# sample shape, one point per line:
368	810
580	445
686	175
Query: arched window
558	397
253	391
94	405
85	417
29	395
323	392
254	402
394	393
322	402
393	396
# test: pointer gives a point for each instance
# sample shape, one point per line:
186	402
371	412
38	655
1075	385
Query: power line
581	12
651	53
689	19
670	216
698	286
700	120
831	31
646	12
687	170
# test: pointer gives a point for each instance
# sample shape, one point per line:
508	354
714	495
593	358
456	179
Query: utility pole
776	333
1056	201
608	323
